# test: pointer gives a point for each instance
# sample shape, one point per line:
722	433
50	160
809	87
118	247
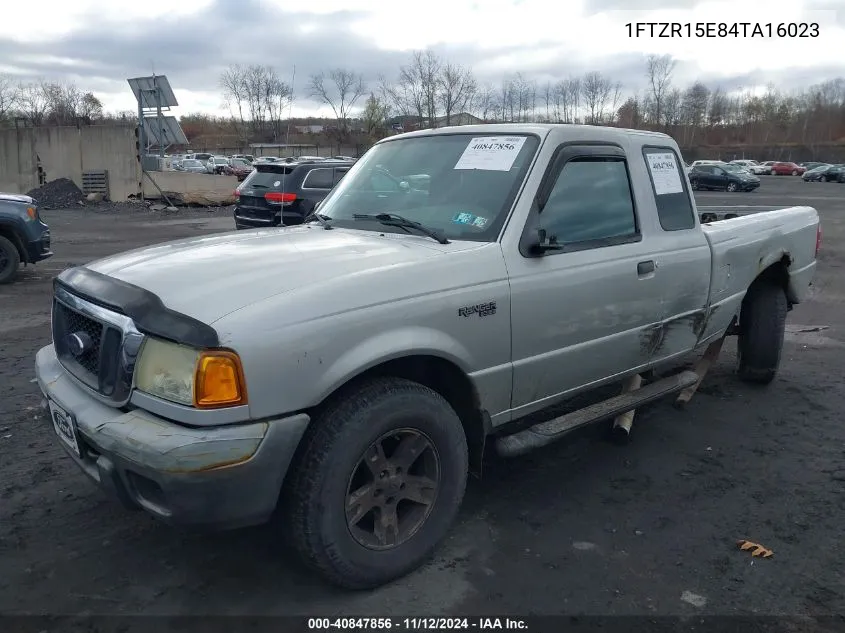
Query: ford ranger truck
454	282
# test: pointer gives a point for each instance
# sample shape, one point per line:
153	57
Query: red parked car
238	167
787	169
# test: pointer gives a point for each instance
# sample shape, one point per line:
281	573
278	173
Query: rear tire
318	498
10	260
762	322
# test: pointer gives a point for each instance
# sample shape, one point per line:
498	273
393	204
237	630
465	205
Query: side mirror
545	244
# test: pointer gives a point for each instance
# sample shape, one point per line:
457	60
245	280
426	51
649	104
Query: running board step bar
547	432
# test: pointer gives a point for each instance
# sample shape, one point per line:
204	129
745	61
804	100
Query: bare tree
9	96
376	113
344	88
484	102
456	88
234	96
596	90
90	107
32	102
570	96
615	100
63	102
427	67
659	72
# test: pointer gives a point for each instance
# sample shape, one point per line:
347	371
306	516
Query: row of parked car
743	175
239	165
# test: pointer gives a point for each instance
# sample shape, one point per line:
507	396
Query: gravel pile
58	194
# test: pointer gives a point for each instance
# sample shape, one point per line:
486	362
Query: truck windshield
462	185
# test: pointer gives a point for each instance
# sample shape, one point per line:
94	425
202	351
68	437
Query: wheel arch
446	378
10	233
775	270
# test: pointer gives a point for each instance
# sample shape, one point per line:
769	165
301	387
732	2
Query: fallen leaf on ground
756	549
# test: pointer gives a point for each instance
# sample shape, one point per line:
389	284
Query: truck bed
744	246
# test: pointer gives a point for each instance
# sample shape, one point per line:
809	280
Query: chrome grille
73	322
96	346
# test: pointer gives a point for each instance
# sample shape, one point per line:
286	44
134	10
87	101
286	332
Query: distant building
310	129
406	123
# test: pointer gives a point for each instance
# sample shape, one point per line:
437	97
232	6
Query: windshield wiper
322	219
392	219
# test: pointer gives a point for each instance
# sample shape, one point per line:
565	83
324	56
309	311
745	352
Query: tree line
432	91
49	103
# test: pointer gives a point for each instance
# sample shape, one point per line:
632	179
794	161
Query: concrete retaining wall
204	189
65	152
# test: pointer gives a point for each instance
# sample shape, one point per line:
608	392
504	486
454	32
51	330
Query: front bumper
216	477
39	250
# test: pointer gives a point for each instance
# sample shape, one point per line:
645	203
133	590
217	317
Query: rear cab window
339	173
669	186
269	176
319	178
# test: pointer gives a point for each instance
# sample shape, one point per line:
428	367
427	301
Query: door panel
683	270
583	313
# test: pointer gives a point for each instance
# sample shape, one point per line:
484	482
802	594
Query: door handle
644	268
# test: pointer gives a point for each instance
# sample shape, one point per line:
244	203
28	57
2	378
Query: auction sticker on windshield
664	173
491	153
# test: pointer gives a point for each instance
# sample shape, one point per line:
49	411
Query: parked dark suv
23	236
722	177
279	194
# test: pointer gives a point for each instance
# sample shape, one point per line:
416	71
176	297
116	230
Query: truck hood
15	197
210	277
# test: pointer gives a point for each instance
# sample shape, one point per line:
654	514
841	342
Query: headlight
200	378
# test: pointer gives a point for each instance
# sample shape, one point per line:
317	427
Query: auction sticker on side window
491	153
664	173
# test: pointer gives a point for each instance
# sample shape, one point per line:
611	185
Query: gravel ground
582	527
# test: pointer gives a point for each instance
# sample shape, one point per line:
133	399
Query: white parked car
216	164
753	166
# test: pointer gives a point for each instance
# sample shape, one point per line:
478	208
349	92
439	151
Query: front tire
377	483
794	172
694	184
762	322
10	260
731	187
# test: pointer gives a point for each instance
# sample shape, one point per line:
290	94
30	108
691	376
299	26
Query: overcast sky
100	43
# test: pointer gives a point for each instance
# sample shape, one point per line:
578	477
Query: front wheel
10	260
762	322
794	172
731	187
377	483
694	184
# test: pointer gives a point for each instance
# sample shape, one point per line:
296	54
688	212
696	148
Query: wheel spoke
410	448
359	503
375	459
419	490
387	526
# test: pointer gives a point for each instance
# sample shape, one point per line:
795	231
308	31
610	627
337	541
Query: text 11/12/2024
764	30
418	624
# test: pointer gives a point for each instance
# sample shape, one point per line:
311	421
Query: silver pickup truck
344	376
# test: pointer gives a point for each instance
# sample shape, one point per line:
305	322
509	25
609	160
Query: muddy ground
583	527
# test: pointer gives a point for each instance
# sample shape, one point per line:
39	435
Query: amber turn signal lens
30	211
219	380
